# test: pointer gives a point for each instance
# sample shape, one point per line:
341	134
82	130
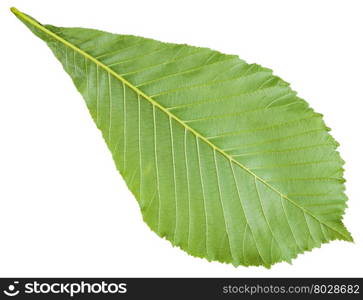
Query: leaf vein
174	178
222	205
156	170
203	198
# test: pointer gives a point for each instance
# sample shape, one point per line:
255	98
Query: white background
65	210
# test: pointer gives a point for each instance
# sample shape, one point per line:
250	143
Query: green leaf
224	159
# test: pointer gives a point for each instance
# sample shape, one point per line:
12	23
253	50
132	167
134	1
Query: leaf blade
164	94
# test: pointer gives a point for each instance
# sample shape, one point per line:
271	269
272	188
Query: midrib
163	109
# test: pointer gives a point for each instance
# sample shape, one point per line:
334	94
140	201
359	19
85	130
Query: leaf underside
224	159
